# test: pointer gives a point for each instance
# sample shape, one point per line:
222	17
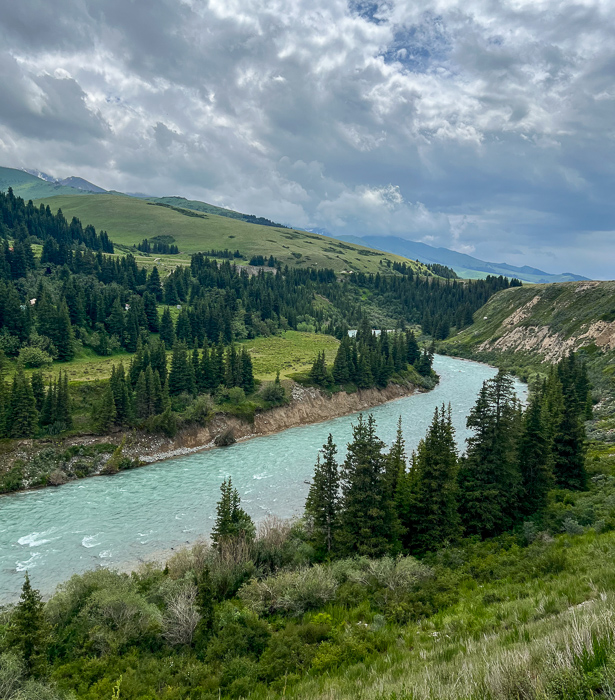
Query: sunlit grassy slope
289	352
129	220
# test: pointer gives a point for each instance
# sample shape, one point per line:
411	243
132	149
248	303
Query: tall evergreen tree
569	450
38	389
432	519
103	414
489	478
322	504
247	372
167	331
368	519
28	631
23	416
232	521
535	459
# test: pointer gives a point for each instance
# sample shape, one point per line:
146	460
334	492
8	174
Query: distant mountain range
464	265
35	184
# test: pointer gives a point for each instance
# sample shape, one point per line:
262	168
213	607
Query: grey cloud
497	115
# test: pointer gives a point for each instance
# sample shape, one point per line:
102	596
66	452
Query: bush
200	411
34	357
273	393
236	395
292	592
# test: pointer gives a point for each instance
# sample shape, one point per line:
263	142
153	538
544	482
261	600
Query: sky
485	126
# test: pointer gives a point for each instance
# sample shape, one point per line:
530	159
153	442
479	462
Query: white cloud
482	126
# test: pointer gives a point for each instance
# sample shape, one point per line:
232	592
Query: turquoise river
132	516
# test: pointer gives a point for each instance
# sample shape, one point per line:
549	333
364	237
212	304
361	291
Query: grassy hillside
525	329
31	187
542	322
129	220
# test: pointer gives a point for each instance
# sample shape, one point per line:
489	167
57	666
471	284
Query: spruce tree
48	410
368	520
38	389
142	398
322	504
64	337
535	459
151	312
63	407
341	364
432	517
247	372
28	631
232	521
22	416
181	376
569	450
120	393
489	477
318	372
167	331
103	415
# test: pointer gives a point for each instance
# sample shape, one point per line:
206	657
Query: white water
105	521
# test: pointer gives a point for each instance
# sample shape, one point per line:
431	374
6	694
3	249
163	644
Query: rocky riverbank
27	464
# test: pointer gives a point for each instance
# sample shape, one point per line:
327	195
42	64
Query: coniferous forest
183	330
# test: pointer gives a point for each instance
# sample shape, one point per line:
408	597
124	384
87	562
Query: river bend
110	521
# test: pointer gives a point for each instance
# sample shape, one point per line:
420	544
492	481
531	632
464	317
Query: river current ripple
114	521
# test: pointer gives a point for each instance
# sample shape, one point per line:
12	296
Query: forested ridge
75	298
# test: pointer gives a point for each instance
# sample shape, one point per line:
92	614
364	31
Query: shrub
292	592
571	527
200	410
34	357
273	393
236	395
181	616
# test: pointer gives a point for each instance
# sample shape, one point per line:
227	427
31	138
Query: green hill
129	220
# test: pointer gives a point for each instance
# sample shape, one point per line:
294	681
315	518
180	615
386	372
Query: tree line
377	503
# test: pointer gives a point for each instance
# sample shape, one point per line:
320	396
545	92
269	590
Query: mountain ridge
462	263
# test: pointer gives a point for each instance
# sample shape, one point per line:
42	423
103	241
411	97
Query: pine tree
167	332
28	631
341	364
64	337
535	459
232	521
120	393
48	410
431	518
318	372
153	284
38	389
103	415
489	477
569	450
151	312
247	372
142	398
63	408
181	379
23	416
115	322
367	522
322	504
395	464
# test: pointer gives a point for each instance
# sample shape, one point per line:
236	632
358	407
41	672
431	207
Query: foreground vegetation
392	565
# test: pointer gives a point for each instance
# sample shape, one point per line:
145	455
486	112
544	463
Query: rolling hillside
129	220
465	266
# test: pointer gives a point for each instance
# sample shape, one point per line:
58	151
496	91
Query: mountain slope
464	265
129	220
30	186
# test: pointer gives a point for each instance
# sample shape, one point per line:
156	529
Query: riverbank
35	464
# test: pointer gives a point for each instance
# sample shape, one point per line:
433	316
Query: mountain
464	265
79	183
30	186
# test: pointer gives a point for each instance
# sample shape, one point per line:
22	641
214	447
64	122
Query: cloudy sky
486	126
